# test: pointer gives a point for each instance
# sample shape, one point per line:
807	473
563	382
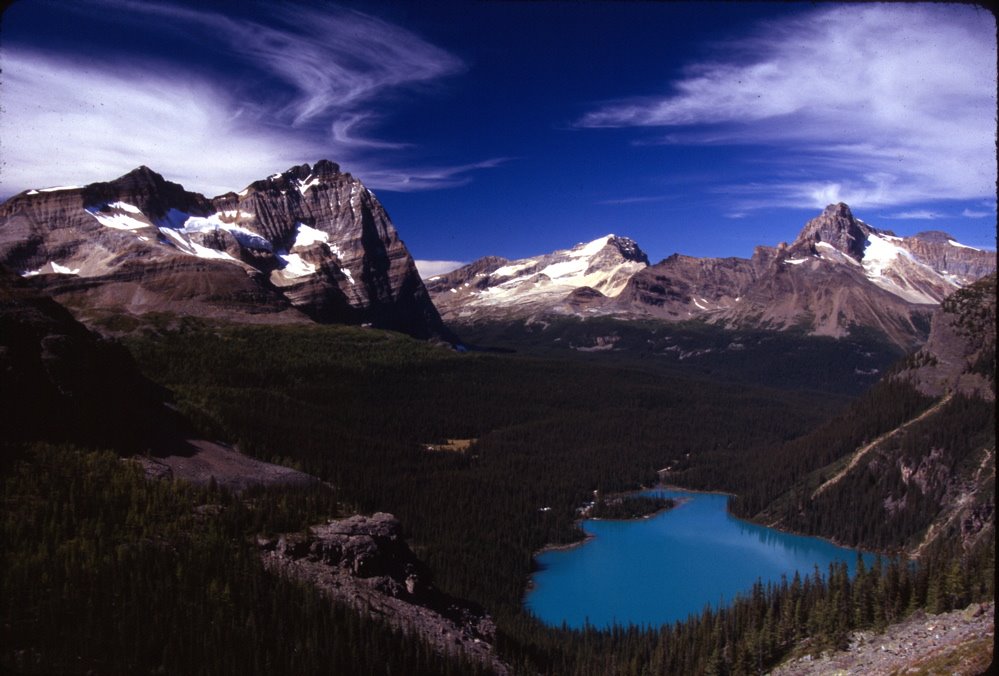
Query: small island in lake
628	507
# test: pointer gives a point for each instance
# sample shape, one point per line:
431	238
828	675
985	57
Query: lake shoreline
774	525
619	579
589	536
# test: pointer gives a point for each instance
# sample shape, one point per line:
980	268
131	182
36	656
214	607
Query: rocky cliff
959	355
310	243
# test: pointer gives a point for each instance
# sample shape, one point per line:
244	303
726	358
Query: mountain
570	281
310	243
840	274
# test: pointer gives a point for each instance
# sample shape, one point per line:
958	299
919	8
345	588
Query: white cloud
631	200
916	215
970	213
66	123
880	104
333	59
74	119
411	180
428	269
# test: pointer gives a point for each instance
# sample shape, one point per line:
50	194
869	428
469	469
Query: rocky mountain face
959	356
311	243
839	274
563	282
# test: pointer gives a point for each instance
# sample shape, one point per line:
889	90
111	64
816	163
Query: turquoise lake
661	569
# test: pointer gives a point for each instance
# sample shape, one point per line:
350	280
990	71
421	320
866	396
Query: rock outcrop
206	463
311	243
959	643
364	561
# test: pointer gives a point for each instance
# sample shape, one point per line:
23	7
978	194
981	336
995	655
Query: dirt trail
863	451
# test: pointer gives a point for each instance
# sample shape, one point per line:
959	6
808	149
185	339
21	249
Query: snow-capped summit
917	269
492	287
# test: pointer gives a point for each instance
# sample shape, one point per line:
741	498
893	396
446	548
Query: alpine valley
241	435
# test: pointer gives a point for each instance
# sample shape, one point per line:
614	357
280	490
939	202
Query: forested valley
99	557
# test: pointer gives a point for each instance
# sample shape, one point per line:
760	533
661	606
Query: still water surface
658	570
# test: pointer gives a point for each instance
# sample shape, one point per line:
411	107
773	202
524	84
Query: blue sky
516	128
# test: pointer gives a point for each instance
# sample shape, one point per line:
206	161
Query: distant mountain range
313	244
310	243
839	274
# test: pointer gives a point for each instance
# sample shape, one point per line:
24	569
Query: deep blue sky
516	128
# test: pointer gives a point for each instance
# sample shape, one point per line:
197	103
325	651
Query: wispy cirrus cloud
333	59
916	215
620	201
423	178
299	88
882	104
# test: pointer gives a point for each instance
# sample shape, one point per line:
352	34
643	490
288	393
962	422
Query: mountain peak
838	209
147	191
140	176
837	227
628	248
325	168
303	172
937	236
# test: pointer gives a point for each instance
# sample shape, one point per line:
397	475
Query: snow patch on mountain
53	189
306	235
119	216
185	245
310	182
186	224
879	253
53	268
508	270
895	269
296	266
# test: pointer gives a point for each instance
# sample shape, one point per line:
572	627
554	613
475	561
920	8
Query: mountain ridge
840	273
